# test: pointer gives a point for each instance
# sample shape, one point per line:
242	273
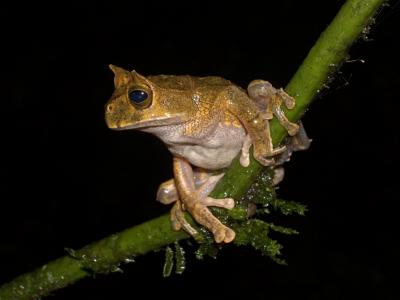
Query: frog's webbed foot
196	202
270	99
262	152
198	208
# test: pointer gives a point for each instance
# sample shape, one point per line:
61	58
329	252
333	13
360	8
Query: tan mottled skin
205	122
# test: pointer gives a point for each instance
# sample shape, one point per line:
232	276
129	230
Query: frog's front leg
256	124
196	203
270	99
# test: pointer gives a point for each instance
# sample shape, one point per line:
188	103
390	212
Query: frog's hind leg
196	203
204	183
270	99
256	123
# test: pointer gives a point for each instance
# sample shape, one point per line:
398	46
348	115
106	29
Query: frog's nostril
109	108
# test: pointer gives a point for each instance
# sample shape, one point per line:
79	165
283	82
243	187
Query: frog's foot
262	158
281	95
264	152
200	212
269	100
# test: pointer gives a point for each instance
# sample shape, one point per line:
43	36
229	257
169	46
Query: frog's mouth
146	124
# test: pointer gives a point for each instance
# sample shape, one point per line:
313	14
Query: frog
205	122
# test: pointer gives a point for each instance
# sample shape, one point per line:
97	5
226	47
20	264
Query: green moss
281	229
180	259
289	207
169	261
209	249
175	257
261	191
255	233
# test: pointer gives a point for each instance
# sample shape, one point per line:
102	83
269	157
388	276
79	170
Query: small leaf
282	229
180	259
169	261
289	207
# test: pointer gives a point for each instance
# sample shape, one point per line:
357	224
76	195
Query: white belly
214	152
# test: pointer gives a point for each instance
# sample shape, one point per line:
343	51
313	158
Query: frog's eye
139	98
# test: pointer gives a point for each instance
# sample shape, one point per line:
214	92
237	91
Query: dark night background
67	180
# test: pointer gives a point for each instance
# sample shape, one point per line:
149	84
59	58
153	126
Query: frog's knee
167	192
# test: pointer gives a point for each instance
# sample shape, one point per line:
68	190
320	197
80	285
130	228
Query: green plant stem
105	255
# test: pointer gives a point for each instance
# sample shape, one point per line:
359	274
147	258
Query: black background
67	180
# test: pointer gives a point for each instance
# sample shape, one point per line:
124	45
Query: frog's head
138	103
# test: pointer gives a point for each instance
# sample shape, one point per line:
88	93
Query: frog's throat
156	122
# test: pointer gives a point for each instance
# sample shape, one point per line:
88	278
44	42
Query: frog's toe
278	150
292	128
178	220
227	203
264	161
290	102
175	217
224	234
244	160
265	155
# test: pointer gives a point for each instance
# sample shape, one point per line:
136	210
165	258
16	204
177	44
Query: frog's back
186	82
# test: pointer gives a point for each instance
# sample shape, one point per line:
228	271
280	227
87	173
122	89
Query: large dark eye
138	97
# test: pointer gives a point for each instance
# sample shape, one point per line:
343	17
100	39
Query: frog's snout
111	121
